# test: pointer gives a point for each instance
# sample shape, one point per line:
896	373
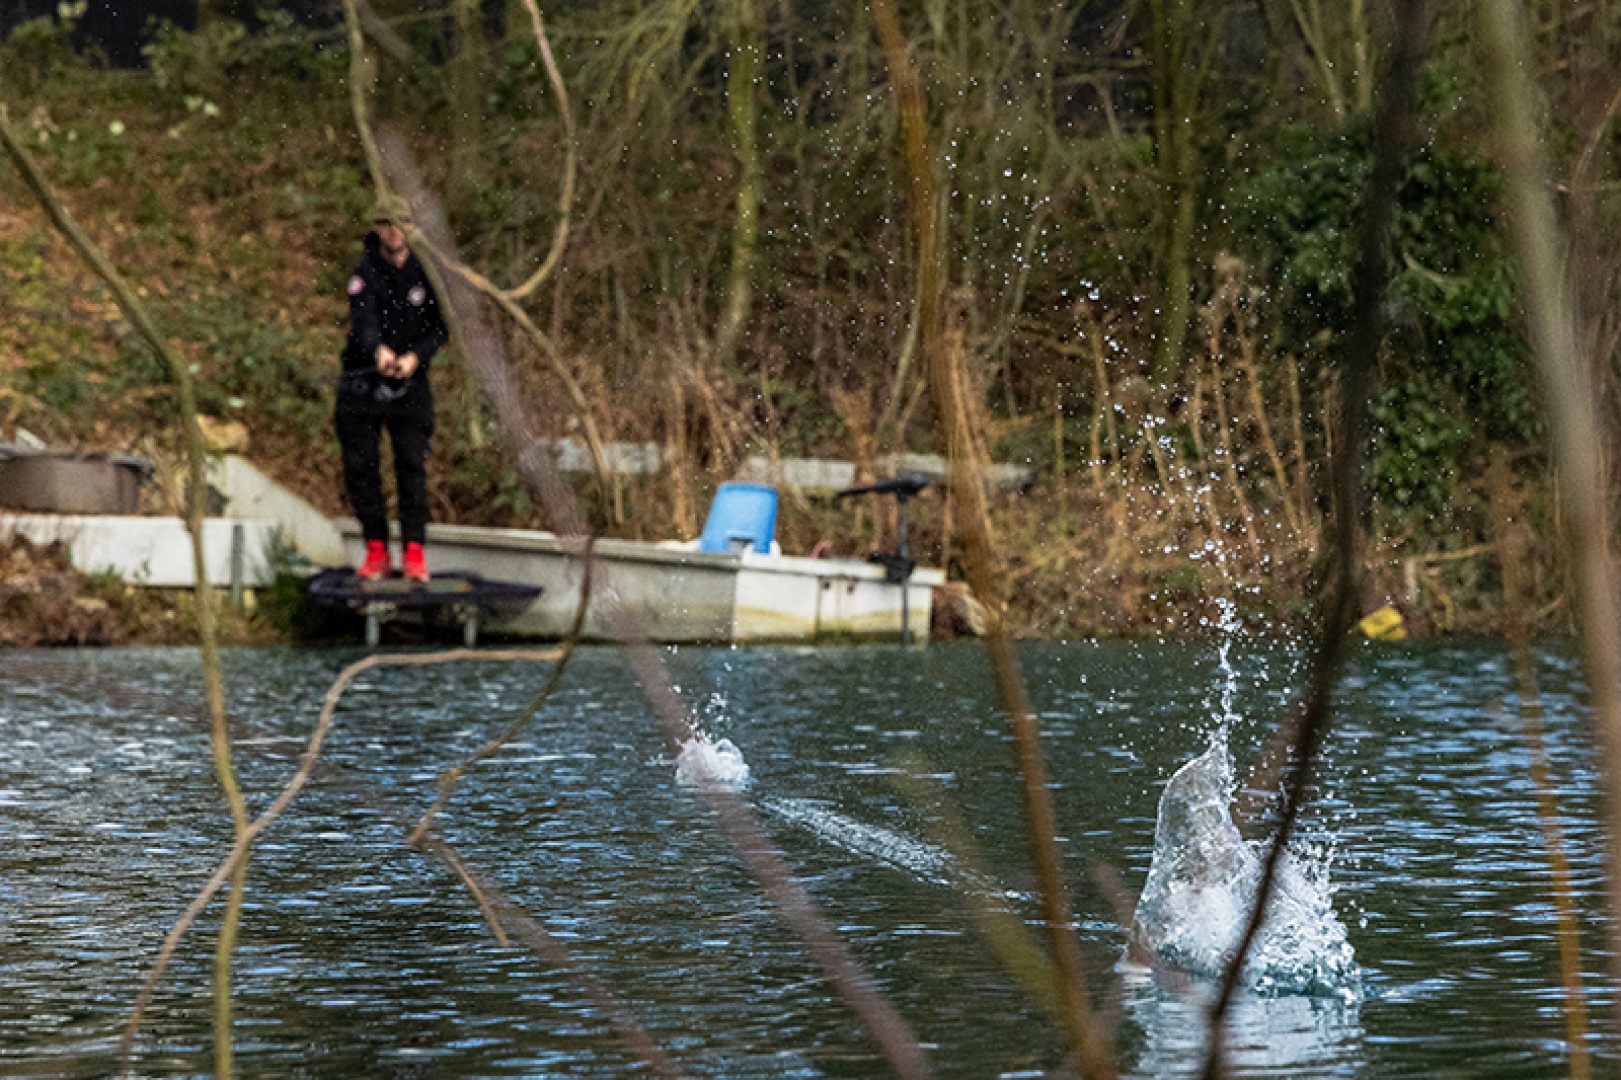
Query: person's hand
405	365
386	360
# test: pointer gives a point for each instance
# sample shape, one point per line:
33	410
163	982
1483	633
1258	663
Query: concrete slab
823	476
805	474
251	495
151	551
571	455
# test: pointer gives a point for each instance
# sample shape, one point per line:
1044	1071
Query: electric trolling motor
898	564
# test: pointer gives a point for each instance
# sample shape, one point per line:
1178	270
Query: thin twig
1570	964
1581	173
1230	462
454	860
543	343
362	74
1510	552
504	916
301	775
565	198
505	912
384	33
1007	933
1393	133
1280	475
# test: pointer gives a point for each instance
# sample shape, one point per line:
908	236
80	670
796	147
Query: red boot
415	565
377	564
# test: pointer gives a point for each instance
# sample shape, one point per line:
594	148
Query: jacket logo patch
417	296
357	285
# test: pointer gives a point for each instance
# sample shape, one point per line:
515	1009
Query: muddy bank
44	601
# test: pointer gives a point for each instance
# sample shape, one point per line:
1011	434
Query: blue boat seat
742	516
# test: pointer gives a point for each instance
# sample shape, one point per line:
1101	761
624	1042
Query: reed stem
1569	398
1393	133
966	486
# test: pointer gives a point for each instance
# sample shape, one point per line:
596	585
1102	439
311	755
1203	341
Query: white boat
680	594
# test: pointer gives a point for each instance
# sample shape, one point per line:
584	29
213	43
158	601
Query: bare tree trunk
1176	80
468	70
742	78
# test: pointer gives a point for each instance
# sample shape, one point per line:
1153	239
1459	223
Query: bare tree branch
565	198
246	835
383	33
196	494
499	911
453	776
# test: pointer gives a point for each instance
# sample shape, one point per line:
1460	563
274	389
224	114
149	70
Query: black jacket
394	307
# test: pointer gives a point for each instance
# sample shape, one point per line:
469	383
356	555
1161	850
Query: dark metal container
64	482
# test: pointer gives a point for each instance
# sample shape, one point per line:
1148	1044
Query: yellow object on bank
1384	625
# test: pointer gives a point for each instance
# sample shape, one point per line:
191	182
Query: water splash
1204	876
1202	884
711	764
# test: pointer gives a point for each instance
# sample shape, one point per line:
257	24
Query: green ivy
1454	371
1420	437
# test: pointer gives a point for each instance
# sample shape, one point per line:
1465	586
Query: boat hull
680	595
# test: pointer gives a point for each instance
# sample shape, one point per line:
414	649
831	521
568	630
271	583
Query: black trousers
360	435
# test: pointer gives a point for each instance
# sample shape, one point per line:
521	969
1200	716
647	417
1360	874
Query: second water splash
1194	904
711	764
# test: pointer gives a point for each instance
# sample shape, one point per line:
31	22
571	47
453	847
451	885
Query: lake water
360	958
